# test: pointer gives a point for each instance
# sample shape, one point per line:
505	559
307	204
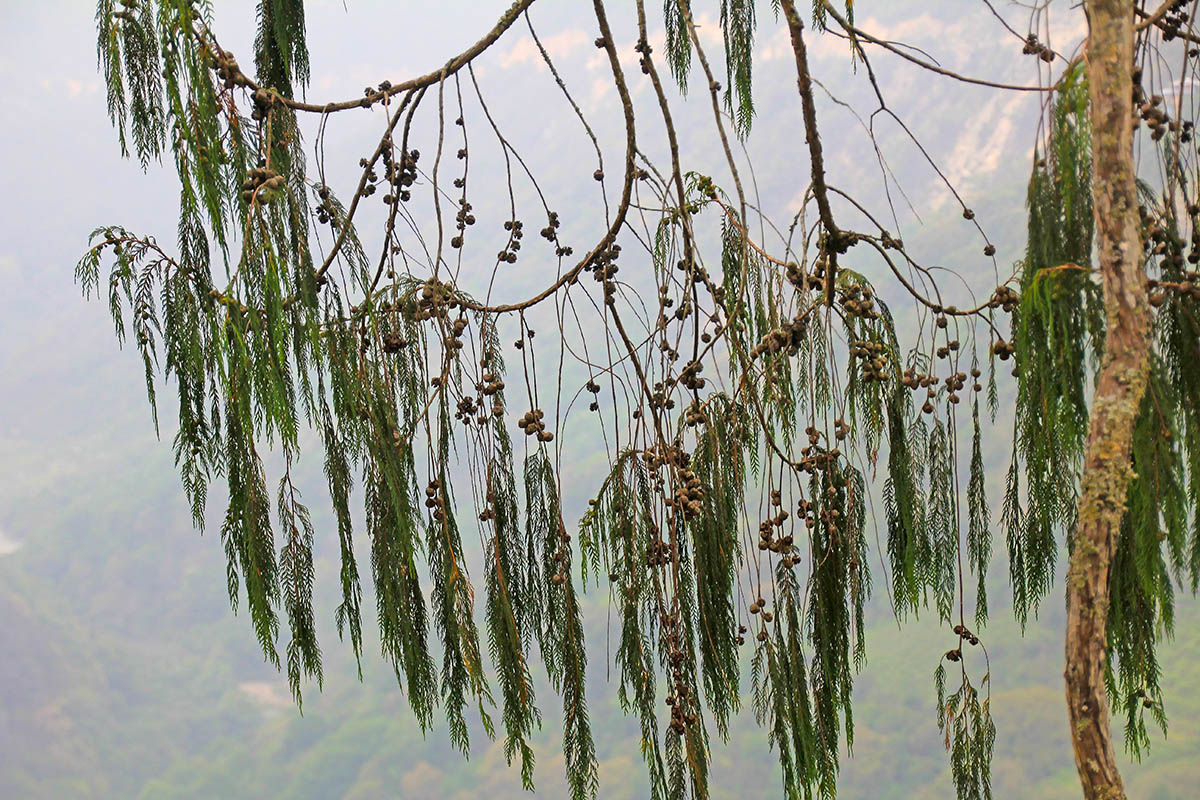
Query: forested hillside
125	675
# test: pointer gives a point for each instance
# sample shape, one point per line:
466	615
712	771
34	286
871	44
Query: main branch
834	242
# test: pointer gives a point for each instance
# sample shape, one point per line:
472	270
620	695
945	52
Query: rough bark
833	238
1121	384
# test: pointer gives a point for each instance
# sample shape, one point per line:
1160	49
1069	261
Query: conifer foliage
751	403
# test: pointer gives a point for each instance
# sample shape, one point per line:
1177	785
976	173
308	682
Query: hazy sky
62	174
66	391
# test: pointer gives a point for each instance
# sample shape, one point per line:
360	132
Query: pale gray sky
62	174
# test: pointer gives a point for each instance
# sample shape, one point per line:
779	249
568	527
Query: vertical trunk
1122	381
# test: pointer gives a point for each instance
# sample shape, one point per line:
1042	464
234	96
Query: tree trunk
1122	381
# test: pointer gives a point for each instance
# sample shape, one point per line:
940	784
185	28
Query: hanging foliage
751	396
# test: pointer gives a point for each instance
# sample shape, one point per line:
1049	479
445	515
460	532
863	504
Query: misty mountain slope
123	672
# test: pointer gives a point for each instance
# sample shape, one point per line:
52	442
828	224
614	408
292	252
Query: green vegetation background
124	675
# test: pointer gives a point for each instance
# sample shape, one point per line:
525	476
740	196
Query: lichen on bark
1122	381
